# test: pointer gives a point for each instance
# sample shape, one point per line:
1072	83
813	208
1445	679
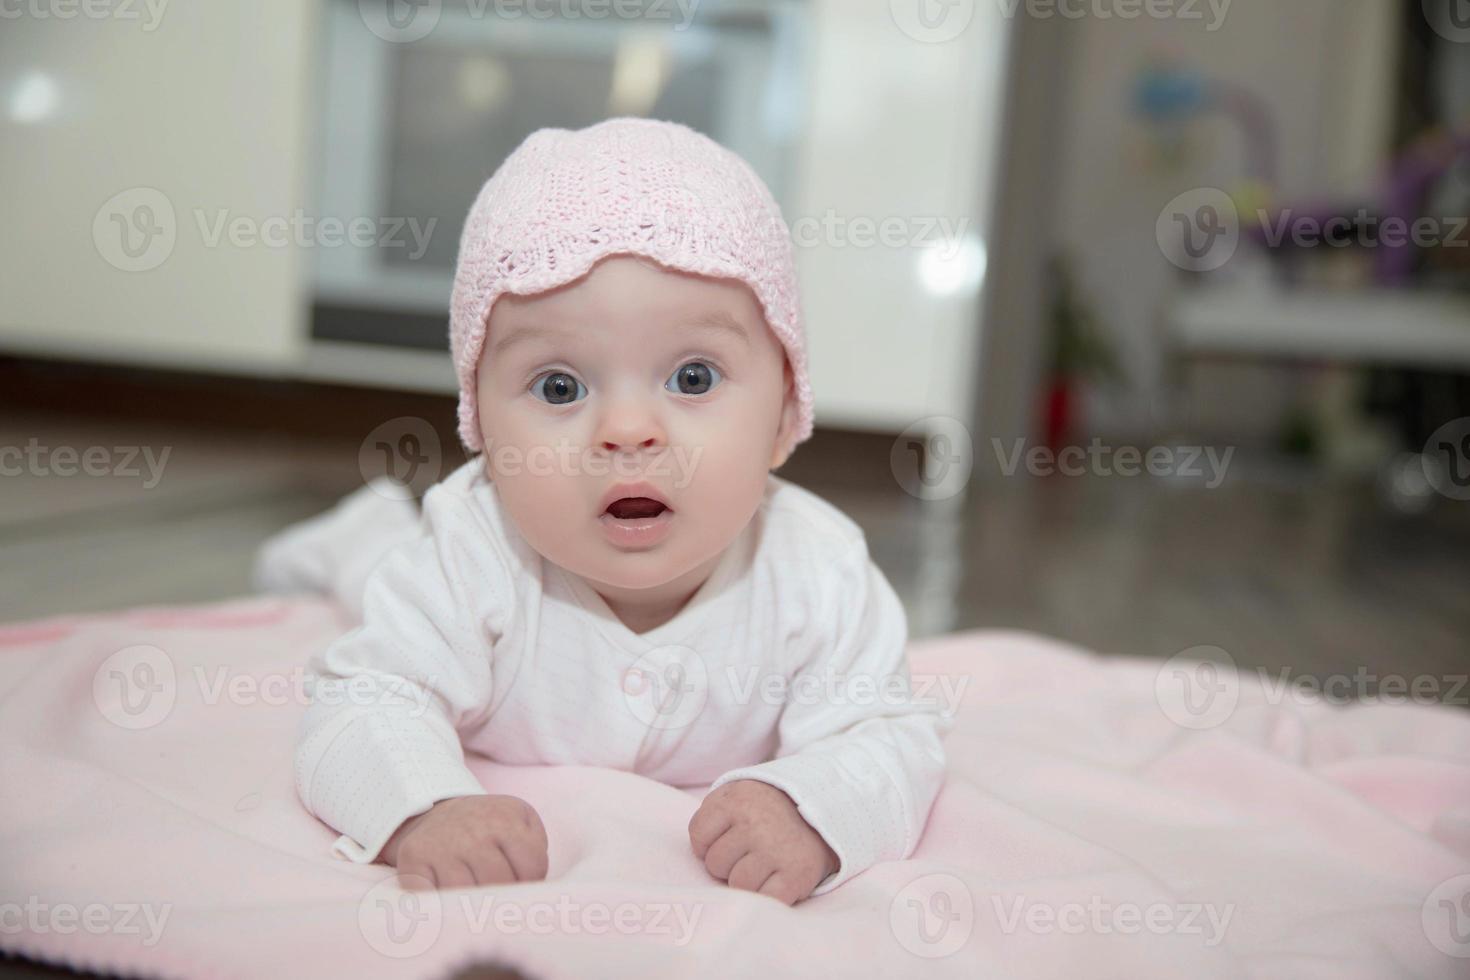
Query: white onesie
787	666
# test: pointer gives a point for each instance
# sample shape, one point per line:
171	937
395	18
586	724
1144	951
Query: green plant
1080	345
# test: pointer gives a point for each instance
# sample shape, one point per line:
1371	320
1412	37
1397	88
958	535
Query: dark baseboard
329	412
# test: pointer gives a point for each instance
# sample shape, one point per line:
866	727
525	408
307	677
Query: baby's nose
614	445
630	425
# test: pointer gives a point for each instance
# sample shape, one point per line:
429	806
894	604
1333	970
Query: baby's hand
749	834
467	841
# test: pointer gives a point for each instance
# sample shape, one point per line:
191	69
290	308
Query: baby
617	579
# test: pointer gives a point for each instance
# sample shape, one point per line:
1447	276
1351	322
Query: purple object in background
1401	198
1408	185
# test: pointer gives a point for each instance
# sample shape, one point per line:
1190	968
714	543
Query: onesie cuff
378	771
390	814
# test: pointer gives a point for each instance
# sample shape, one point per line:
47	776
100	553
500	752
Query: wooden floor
1317	579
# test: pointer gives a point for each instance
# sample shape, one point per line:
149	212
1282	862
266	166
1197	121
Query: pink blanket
149	825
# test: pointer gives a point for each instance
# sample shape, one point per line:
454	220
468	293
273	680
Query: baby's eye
693	378
558	388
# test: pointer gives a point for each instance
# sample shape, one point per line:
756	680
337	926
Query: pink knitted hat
565	199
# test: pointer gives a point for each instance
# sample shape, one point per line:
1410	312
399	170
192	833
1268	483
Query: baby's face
632	382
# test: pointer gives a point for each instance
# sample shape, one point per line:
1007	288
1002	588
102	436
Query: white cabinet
193	112
205	123
904	130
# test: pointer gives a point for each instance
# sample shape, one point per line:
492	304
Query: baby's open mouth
632	508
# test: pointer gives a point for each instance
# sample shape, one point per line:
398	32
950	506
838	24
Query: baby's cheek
725	490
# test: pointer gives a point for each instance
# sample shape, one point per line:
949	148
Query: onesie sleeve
379	742
864	762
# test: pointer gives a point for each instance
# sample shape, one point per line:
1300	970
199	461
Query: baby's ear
787	427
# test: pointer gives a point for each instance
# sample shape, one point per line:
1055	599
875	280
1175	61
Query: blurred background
1140	323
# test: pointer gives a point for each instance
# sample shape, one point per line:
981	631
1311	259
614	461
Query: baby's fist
749	834
467	841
